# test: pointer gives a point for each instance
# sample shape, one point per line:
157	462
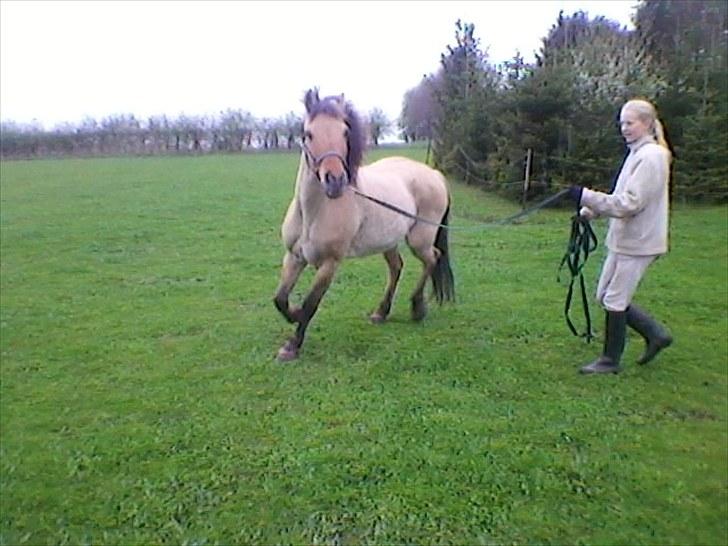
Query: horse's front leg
293	265
321	283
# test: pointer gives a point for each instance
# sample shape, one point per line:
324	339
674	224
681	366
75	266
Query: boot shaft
616	328
655	334
642	323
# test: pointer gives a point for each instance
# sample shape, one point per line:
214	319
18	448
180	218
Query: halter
314	161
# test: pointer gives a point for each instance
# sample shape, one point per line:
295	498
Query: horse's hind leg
394	263
429	259
420	241
321	283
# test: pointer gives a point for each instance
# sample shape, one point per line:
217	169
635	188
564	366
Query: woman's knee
614	302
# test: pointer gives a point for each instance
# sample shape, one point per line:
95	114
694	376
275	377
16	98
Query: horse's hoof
286	355
419	310
376	318
288	352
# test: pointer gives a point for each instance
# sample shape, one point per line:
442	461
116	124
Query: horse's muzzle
334	185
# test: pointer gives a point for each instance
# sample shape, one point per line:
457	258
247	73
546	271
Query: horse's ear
342	100
311	99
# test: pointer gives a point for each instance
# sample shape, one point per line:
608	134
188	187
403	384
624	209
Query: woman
638	209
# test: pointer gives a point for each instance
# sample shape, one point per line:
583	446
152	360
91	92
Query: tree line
483	119
229	131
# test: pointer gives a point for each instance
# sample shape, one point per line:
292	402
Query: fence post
526	177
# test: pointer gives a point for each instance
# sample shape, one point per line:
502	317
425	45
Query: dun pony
326	222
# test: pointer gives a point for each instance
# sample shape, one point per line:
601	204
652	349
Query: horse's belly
356	251
377	237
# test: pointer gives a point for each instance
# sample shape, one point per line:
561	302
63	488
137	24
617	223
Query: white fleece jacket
639	205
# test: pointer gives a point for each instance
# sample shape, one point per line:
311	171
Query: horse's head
332	141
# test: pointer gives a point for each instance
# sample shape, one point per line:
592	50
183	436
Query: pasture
141	402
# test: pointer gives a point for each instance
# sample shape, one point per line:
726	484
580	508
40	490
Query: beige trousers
619	279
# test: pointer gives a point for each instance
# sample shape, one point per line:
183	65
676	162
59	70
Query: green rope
582	242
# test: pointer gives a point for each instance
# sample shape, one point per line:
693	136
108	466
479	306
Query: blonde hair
647	112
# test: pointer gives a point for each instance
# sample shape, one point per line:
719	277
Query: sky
62	61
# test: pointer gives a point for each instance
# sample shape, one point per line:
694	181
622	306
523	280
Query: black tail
443	282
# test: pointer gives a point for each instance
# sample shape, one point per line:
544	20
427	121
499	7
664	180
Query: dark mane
332	106
356	141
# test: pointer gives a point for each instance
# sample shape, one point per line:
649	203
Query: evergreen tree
464	90
588	67
689	42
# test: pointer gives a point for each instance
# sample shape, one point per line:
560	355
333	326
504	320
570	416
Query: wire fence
700	185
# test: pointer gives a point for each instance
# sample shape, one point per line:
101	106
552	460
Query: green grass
141	402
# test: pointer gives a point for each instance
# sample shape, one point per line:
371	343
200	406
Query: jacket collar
637	144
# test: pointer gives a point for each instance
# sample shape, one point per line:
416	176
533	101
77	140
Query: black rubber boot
615	330
655	335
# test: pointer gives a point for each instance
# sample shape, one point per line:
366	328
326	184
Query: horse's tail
443	281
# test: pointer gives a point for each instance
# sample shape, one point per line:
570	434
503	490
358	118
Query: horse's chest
324	239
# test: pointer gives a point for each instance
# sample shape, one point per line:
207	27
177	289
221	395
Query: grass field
141	402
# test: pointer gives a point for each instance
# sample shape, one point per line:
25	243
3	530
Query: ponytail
659	132
647	111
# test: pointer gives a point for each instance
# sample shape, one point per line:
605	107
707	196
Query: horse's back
427	186
412	172
401	164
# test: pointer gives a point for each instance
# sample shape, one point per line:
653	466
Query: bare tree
293	124
379	125
418	111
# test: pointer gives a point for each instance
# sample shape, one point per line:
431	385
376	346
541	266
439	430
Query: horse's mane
335	106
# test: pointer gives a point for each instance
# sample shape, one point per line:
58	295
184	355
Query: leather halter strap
314	161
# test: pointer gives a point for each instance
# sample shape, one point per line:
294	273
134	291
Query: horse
327	221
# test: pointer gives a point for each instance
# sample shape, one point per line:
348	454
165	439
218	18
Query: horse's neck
302	168
308	191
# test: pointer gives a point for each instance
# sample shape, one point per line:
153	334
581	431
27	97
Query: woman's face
632	126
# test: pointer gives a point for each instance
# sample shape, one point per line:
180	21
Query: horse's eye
308	135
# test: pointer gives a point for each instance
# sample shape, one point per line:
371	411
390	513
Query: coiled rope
582	242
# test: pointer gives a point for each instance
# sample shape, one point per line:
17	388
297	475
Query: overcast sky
62	61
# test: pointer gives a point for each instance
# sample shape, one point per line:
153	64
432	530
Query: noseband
314	161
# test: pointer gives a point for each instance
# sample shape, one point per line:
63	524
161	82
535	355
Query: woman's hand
587	213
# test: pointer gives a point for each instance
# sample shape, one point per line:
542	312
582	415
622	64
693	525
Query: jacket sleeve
642	185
